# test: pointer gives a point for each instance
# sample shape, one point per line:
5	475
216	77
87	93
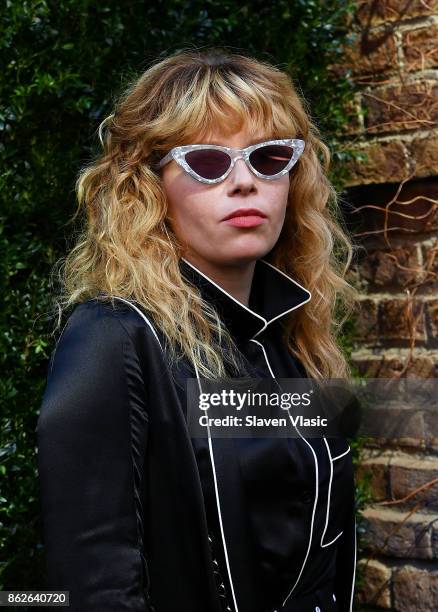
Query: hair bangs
223	104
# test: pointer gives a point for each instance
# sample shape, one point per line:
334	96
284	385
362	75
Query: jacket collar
273	295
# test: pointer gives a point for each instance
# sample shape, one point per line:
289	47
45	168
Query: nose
239	164
241	176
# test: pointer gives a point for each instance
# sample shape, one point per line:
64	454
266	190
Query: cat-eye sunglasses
210	163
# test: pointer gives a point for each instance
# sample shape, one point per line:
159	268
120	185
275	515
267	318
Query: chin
251	247
246	255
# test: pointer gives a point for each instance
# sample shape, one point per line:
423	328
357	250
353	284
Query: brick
395	267
366	326
367	363
432	444
353	111
396	474
431	428
407	473
378	473
430	256
435	538
388	363
393	426
415	589
424	366
370	12
423	154
376	583
405	106
402	210
420	48
389	161
432	313
386	162
372	53
402	320
386	534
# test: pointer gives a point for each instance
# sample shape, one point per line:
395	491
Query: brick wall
393	196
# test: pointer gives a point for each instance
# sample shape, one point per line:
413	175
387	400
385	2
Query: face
196	210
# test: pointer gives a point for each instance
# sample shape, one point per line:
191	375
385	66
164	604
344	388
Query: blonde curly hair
127	248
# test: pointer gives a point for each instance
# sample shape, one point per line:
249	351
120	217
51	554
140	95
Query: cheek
186	199
279	200
192	217
176	186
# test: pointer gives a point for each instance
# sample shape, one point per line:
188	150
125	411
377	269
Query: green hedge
63	62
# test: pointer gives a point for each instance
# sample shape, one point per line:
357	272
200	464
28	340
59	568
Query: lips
245	212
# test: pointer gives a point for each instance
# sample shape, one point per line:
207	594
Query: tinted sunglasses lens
271	159
208	163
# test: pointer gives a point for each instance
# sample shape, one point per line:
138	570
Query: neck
235	279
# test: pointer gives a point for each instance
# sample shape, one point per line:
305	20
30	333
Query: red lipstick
245	217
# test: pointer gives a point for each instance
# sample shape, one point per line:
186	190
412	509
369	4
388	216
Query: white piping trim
211	457
226	292
355	534
329	493
142	315
354	566
287	276
289	309
265	321
341	455
293	307
216	490
331	541
316	481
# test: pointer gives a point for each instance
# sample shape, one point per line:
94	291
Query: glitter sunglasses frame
179	153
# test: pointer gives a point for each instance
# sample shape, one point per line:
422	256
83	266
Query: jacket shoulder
103	326
116	317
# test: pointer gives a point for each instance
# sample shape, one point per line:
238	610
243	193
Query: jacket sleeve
91	436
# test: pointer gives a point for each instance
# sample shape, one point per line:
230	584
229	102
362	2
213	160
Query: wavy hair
127	248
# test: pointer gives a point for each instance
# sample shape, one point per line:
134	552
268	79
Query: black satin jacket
139	516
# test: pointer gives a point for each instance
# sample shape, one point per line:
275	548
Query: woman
171	281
